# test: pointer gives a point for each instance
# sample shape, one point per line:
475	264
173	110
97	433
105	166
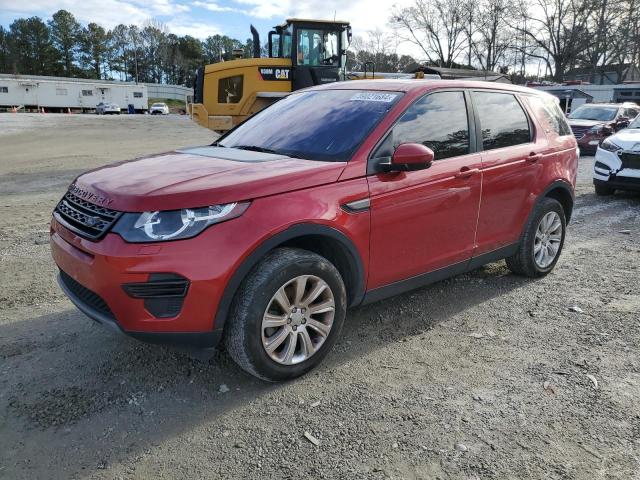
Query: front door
425	220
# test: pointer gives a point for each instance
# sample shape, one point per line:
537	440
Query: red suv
335	196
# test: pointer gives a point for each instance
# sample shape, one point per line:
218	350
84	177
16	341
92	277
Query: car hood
198	177
628	139
575	122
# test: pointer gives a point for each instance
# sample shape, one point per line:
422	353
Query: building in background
609	75
572	96
465	74
32	92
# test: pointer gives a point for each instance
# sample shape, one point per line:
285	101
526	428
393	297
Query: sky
201	18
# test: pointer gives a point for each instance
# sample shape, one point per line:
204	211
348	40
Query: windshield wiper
255	148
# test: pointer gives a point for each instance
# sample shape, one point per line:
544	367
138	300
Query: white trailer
60	94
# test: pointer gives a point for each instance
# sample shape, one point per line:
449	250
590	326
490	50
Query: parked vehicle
335	196
105	108
617	164
592	123
159	109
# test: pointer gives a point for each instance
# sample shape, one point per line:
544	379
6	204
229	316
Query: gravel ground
486	375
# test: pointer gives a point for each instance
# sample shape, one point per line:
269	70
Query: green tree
94	50
32	50
5	52
66	35
154	39
190	49
120	46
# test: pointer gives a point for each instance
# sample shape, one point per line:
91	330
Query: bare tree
379	47
437	27
493	37
557	31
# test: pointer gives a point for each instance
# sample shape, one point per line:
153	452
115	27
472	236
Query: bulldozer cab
301	53
317	49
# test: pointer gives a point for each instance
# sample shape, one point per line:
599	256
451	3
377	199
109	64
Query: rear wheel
287	315
542	241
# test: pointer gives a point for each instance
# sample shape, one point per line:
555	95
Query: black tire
243	335
523	261
603	190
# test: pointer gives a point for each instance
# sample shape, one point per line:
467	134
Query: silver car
159	109
104	108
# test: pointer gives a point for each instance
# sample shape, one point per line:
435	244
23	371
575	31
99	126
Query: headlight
174	224
609	146
597	129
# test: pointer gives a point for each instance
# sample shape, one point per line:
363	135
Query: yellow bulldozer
302	53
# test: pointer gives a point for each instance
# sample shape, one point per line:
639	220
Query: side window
502	119
274	39
630	113
230	89
548	112
87	93
137	94
438	121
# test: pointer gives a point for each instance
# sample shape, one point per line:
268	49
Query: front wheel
286	315
542	240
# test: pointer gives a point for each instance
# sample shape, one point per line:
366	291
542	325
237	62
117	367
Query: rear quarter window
549	114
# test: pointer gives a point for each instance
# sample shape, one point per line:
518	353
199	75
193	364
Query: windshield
603	114
157	105
315	125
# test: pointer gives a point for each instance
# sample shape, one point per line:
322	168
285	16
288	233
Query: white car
104	108
159	109
618	161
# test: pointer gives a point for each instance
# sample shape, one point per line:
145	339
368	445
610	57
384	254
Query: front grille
86	296
85	218
630	160
578	131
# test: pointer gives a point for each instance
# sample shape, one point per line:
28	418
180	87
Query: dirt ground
487	375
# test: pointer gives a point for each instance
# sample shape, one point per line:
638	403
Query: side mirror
409	157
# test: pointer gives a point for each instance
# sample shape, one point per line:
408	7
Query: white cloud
215	7
195	29
107	13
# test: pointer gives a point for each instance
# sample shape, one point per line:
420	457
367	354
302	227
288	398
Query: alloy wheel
548	239
298	319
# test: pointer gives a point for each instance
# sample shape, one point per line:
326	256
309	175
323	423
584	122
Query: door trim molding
428	278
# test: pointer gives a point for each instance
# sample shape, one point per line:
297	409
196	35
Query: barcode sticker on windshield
375	97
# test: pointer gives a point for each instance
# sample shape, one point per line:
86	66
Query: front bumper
620	183
608	171
198	339
589	142
94	275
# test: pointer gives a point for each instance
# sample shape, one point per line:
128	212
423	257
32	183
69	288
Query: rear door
510	164
424	220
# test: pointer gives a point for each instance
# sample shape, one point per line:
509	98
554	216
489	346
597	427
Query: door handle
534	157
466	172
